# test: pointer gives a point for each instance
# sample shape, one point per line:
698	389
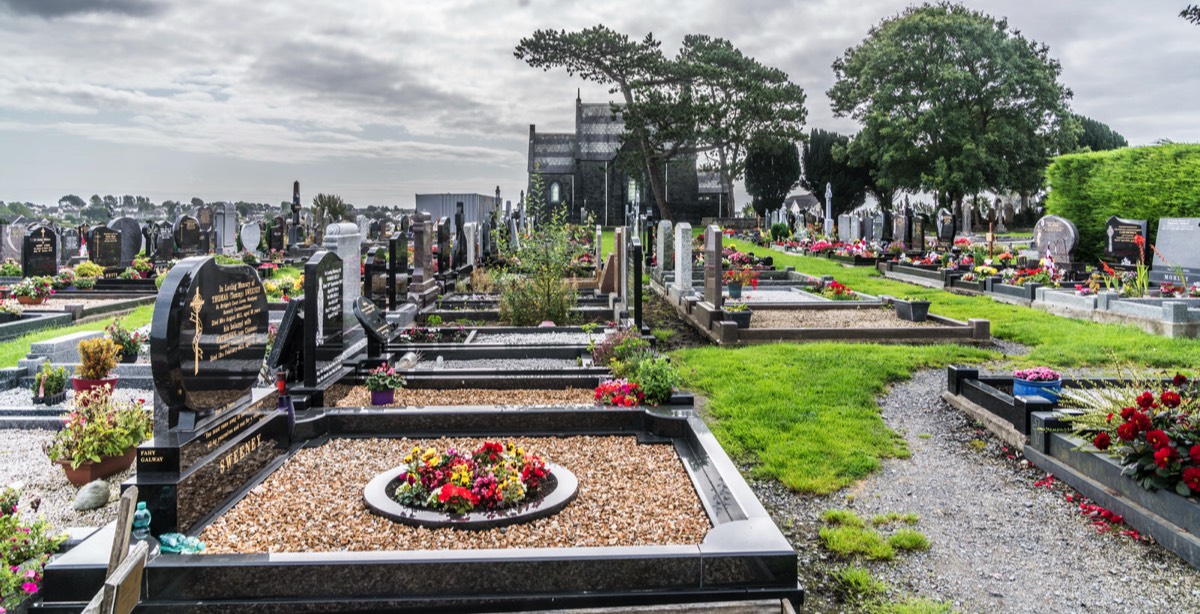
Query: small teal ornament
141	522
178	543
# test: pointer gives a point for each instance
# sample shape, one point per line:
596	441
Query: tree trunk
654	171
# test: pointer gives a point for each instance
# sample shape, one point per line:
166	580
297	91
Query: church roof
552	153
598	131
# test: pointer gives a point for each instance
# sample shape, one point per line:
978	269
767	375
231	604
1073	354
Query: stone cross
683	257
828	209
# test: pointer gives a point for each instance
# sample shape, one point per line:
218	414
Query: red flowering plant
835	291
619	393
491	477
744	276
1152	427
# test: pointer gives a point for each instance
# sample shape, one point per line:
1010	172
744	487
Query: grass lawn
12	351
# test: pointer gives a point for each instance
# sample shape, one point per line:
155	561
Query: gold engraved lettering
240	452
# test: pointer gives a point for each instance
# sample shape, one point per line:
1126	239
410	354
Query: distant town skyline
378	101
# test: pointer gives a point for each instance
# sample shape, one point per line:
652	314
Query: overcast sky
378	100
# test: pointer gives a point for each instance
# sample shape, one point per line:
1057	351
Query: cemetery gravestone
665	247
920	223
164	248
70	245
1056	237
683	257
843	228
1177	242
251	236
40	254
187	236
275	240
443	243
379	331
227	228
1119	244
470	233
713	282
104	245
946	229
323	314
343	239
460	238
131	239
204	217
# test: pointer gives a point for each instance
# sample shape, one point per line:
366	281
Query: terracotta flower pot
84	385
89	471
29	300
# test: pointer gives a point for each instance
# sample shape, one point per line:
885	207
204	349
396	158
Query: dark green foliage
1135	182
1097	136
772	170
780	231
657	379
1191	13
822	164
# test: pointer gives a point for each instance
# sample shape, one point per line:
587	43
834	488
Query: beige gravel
831	318
359	396
629	494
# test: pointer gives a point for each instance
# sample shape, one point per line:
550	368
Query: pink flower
29	587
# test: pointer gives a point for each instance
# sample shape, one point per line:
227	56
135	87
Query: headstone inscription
713	282
343	239
946	229
131	239
40	254
1119	244
1177	251
105	247
187	236
1056	237
323	316
683	258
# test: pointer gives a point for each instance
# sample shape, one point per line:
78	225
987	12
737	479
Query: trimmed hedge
1143	183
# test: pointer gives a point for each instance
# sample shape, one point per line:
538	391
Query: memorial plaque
946	229
323	316
713	282
187	236
207	338
251	236
1119	242
131	239
104	246
1178	243
1056	237
40	254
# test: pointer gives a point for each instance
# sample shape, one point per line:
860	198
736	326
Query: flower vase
383	397
1046	390
735	290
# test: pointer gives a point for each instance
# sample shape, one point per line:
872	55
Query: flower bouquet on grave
836	291
492	477
64	279
736	279
10	310
382	382
619	393
28	546
1039	382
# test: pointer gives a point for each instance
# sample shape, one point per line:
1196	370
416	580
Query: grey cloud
49	9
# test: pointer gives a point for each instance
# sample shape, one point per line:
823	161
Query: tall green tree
822	165
772	170
1191	13
737	99
329	209
1097	136
954	102
73	200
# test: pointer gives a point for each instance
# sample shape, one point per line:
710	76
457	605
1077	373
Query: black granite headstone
322	316
1056	237
39	253
397	264
1178	245
443	245
131	238
164	248
69	245
919	224
379	331
104	246
207	339
947	227
187	236
288	350
204	216
460	238
275	235
374	276
1119	242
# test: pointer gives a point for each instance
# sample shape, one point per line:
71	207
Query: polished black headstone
323	307
443	243
460	238
187	236
104	246
204	216
920	225
275	235
39	254
375	269
131	238
378	330
947	227
1056	237
288	350
1119	242
207	338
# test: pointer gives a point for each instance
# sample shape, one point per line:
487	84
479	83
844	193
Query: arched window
555	193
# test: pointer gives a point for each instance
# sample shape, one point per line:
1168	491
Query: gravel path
23	397
22	460
869	317
998	542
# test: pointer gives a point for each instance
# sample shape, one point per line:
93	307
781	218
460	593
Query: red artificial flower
1191	477
1195	454
1102	441
1142	421
1158	439
1145	400
1179	380
1127	431
1127	413
1165	456
1110	417
1170	398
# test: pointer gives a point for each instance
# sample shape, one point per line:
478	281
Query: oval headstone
208	335
131	238
251	235
1056	237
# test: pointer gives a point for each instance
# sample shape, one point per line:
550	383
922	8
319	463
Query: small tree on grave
533	289
772	170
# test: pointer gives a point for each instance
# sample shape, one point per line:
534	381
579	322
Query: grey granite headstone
665	247
683	257
713	282
843	228
251	235
344	240
1178	244
422	247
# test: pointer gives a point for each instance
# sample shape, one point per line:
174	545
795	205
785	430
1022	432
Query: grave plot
1059	437
798	314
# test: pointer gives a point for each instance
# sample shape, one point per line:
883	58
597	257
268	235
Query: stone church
582	171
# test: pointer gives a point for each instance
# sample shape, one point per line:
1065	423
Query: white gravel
502	364
22	460
539	338
23	397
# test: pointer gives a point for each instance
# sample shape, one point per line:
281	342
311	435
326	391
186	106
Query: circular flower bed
491	486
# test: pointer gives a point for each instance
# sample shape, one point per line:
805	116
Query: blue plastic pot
1047	390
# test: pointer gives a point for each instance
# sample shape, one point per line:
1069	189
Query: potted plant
1039	382
97	359
130	341
49	385
383	381
737	278
129	273
143	265
85	283
89	269
10	268
100	437
64	279
911	308
32	290
10	310
738	311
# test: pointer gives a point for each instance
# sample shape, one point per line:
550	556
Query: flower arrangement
49	381
491	477
97	358
618	345
27	548
1156	436
619	393
130	341
962	242
11	308
86	283
129	273
89	269
423	334
10	268
100	426
820	246
838	292
1037	374
249	258
64	278
383	377
33	287
744	276
1083	290
142	264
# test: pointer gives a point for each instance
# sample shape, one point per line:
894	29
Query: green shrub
49	380
657	378
85	283
1136	182
89	269
529	301
780	231
10	268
